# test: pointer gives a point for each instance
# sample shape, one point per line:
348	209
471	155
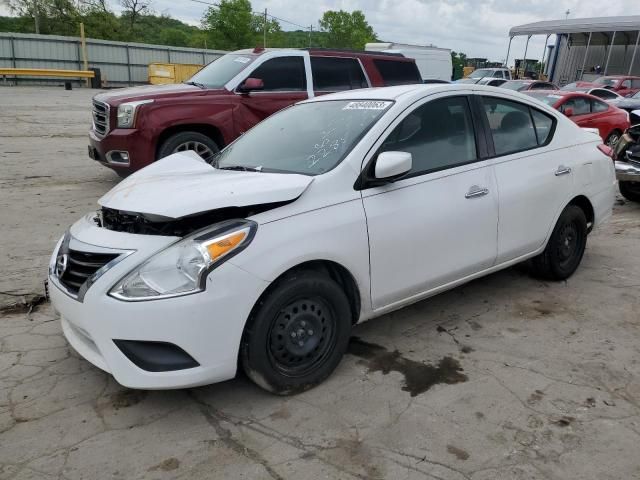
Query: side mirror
251	84
568	112
393	165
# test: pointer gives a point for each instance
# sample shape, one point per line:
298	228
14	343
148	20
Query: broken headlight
182	268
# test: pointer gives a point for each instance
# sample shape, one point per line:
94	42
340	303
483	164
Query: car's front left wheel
297	333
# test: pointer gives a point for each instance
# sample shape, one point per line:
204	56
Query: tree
49	16
133	9
230	26
347	30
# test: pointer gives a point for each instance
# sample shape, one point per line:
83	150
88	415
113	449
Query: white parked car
331	212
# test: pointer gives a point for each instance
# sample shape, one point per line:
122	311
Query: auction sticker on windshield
367	105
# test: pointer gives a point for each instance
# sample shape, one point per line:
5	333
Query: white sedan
334	211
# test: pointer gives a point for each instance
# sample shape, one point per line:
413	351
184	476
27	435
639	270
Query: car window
438	134
635	83
497	74
332	74
397	73
511	125
544	125
580	106
598	107
605	94
544	86
626	84
282	74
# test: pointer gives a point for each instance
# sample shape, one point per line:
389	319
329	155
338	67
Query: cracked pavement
549	386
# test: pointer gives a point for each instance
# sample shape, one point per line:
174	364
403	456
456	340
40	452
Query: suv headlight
127	113
182	268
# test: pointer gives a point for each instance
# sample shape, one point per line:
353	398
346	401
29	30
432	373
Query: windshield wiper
241	168
197	84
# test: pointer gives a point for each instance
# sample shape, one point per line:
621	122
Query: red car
527	85
589	112
621	84
133	127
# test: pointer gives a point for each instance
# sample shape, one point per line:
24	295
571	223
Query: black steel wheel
566	246
297	333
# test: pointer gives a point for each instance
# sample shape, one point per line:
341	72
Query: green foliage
231	26
347	30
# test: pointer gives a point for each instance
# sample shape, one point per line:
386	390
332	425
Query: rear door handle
562	170
476	191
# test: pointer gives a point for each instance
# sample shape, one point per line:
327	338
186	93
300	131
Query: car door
285	83
533	178
437	224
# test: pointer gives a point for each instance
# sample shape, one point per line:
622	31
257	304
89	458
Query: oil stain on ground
418	377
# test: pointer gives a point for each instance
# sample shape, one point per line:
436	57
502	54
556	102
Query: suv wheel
630	190
183	141
563	254
298	333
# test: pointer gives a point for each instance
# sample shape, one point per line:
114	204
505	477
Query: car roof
318	51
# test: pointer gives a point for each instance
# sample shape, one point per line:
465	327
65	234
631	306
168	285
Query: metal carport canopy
578	25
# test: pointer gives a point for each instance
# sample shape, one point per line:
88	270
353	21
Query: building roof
579	25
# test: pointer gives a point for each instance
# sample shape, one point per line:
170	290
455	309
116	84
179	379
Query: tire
182	141
565	248
297	333
630	190
613	138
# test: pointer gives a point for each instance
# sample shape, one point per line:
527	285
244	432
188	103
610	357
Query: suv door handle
562	170
476	191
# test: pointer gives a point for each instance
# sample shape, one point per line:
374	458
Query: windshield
606	81
310	138
221	70
515	84
483	72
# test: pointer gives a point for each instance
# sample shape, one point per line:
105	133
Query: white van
434	63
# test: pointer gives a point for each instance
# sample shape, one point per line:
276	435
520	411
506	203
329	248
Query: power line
215	4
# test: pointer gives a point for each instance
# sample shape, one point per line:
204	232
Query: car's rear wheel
184	141
565	248
613	138
297	334
630	190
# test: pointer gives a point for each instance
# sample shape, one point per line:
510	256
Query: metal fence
120	63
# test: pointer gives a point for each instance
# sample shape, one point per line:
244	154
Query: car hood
183	184
147	92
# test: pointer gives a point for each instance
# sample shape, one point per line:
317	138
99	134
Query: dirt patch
20	303
167	465
127	398
539	309
564	421
418	377
535	397
459	453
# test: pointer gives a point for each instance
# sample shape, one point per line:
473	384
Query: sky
478	28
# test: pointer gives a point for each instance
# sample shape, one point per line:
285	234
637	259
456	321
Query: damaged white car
329	213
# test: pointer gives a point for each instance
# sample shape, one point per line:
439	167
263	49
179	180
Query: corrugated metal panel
120	63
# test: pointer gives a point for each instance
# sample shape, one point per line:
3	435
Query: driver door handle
562	170
476	191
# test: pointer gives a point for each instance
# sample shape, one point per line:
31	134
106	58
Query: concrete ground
504	378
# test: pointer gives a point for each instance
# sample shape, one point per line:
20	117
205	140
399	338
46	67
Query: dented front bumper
627	171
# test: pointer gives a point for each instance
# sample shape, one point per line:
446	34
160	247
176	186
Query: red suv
135	126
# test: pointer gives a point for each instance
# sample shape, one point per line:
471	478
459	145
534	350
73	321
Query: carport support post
586	52
506	62
635	49
524	59
613	41
544	53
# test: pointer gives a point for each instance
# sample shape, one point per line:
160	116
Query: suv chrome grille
100	115
80	266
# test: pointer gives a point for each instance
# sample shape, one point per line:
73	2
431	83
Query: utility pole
264	32
36	18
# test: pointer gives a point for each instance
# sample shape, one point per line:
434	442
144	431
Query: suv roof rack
347	50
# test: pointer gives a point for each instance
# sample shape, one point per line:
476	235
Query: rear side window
543	124
635	83
438	134
598	107
332	74
511	125
626	84
283	74
397	73
580	105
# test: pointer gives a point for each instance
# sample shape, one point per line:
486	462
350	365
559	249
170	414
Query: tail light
607	150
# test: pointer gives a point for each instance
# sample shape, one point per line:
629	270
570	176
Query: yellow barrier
46	72
163	73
